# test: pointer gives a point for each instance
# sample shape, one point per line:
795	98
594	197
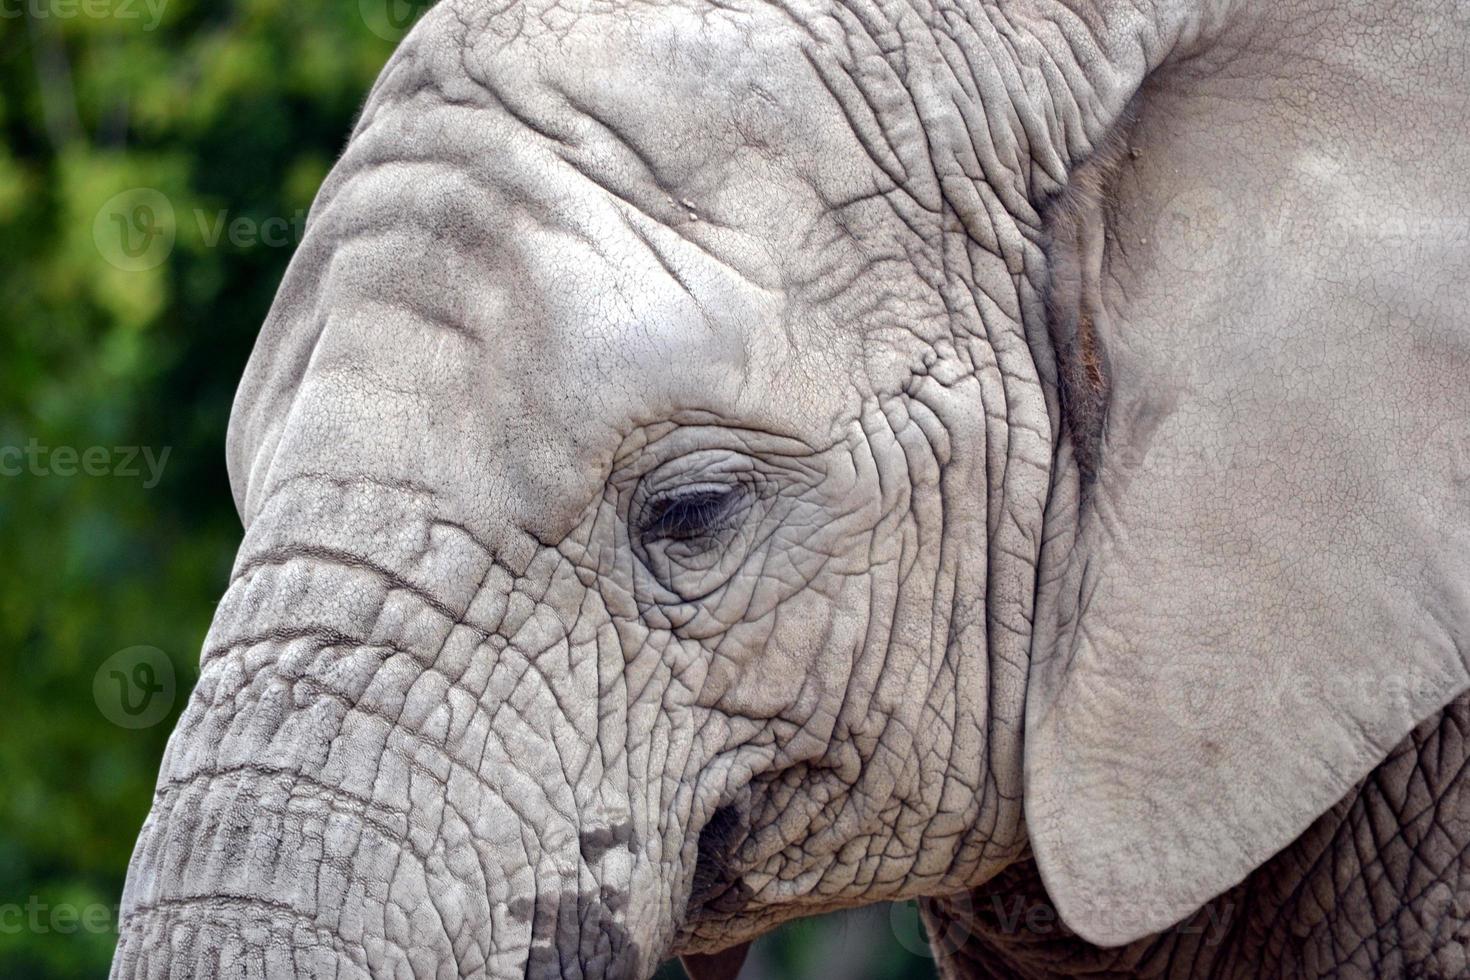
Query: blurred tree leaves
228	110
135	133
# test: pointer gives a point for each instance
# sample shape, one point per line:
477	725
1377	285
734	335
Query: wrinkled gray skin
712	463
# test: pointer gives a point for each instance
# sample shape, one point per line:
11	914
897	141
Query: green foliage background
232	108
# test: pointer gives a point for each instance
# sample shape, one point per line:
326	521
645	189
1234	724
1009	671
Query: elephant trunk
375	777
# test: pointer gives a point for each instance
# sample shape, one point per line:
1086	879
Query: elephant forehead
695	100
560	244
710	138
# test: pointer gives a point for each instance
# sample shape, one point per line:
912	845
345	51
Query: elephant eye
689	513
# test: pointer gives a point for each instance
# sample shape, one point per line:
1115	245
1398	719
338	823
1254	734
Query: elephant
715	462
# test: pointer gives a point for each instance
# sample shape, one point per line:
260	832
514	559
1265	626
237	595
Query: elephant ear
1257	573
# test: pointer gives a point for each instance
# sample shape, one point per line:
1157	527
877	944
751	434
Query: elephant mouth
719	890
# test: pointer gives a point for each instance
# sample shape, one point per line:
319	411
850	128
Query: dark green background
228	109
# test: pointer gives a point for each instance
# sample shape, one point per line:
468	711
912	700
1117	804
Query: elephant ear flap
1256	580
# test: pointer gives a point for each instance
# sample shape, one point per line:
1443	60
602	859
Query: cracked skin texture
667	514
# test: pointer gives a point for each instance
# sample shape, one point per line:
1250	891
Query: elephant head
695	442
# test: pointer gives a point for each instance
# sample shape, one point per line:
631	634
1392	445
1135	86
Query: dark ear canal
1077	257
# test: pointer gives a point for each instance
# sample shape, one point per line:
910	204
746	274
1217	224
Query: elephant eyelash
689	513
